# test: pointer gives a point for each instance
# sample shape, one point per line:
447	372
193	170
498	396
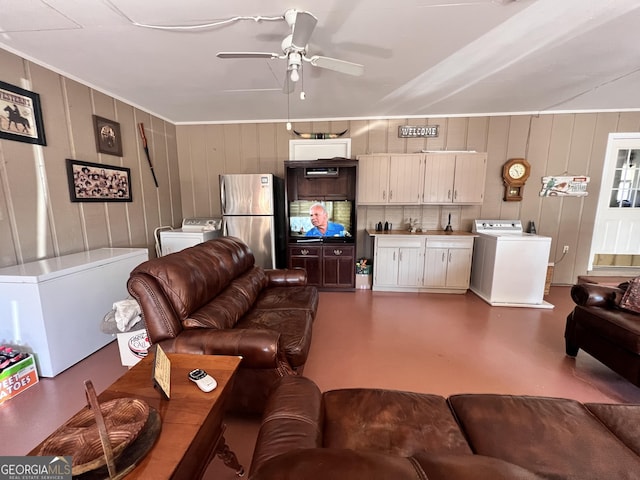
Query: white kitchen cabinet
422	262
447	263
397	262
55	307
373	179
454	178
390	179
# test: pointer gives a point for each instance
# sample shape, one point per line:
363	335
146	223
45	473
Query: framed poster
108	138
20	115
96	182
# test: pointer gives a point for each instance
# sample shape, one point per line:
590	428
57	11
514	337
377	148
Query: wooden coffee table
192	431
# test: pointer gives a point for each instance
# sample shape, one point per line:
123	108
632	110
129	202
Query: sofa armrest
596	295
258	348
286	277
292	419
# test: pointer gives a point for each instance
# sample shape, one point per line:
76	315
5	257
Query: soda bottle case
17	372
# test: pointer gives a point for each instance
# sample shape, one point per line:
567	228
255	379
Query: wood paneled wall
553	144
37	218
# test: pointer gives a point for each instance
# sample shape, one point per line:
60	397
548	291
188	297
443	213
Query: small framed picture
108	138
96	182
20	115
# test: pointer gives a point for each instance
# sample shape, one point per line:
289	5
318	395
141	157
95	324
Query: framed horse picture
20	115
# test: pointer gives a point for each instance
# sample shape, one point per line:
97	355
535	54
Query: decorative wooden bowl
124	418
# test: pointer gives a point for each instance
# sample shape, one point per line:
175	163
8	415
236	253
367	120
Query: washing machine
509	266
193	232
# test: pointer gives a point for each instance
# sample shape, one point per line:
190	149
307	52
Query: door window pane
626	180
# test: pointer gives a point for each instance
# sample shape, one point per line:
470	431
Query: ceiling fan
294	50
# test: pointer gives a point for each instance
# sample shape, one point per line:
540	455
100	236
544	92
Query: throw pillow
631	298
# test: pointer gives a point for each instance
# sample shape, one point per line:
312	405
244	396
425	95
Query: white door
386	266
459	267
405	175
435	267
373	177
409	267
617	224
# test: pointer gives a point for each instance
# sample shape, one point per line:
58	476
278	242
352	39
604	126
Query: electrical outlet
565	249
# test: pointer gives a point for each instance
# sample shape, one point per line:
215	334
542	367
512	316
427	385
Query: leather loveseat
599	326
213	299
374	434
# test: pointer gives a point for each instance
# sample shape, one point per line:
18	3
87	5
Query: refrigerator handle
223	197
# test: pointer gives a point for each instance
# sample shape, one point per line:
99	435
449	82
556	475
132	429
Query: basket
124	418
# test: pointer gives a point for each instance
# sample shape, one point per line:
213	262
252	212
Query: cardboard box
363	282
133	346
17	378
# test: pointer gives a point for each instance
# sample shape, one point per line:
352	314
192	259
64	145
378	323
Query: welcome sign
418	131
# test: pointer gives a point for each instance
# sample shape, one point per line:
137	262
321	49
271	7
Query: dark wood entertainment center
329	262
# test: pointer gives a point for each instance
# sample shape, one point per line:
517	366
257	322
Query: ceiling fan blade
302	29
246	55
341	66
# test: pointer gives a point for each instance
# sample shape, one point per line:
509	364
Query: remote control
205	382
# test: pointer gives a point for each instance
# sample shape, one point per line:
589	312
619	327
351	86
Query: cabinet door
373	178
338	266
435	267
385	266
470	173
439	174
458	267
309	258
409	267
405	178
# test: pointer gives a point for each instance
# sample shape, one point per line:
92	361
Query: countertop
427	233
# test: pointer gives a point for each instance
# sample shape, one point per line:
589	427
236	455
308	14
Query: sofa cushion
622	420
288	298
471	467
617	326
389	421
295	327
556	438
226	308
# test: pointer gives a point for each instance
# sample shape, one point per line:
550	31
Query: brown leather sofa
601	328
212	299
372	434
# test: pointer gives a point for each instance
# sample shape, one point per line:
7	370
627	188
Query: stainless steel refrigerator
253	210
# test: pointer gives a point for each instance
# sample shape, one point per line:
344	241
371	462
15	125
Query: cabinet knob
337	252
304	251
449	194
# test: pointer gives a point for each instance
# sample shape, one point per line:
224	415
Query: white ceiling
421	57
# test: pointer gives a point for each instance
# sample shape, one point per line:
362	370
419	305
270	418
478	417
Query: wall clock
515	173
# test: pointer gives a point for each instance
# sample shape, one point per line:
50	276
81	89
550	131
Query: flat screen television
339	219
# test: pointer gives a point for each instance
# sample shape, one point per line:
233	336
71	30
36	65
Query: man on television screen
322	227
